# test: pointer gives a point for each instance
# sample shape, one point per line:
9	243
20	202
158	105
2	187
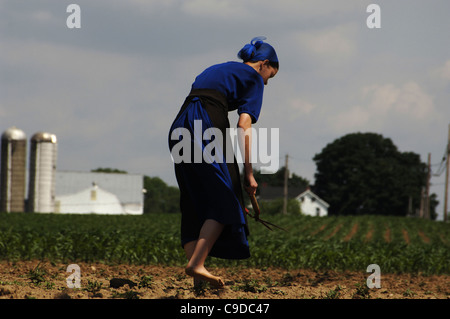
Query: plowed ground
45	280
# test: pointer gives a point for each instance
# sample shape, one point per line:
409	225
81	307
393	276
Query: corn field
397	245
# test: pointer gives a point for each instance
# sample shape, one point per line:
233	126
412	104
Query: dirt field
44	280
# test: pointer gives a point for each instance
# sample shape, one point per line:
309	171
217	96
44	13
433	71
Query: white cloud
408	100
268	11
42	16
146	5
224	9
384	106
354	119
280	11
325	47
298	107
335	41
444	71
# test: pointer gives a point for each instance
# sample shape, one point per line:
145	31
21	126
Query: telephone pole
286	176
446	175
427	200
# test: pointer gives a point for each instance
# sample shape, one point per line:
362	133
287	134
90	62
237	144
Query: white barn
311	204
92	200
98	193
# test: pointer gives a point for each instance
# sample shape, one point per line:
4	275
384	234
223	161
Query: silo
41	188
13	170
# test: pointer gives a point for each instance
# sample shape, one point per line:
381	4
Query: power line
441	168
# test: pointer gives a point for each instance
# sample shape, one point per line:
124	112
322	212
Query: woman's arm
245	143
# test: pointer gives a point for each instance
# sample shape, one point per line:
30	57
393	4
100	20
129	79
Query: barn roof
127	187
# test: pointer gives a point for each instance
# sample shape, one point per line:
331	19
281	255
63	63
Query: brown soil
319	230
405	236
160	282
424	237
335	230
352	232
387	235
369	235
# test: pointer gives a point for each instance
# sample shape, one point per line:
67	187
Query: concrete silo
13	170
41	188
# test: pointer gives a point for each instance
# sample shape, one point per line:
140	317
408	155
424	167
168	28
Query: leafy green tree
364	173
159	197
433	204
277	179
108	170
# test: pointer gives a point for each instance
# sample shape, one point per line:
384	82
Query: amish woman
213	221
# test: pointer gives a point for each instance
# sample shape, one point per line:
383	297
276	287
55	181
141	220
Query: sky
110	89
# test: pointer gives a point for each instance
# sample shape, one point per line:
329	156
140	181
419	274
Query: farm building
98	193
41	185
310	203
13	170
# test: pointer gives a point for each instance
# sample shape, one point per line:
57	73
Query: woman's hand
250	184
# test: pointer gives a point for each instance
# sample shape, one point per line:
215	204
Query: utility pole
286	176
427	200
422	204
446	175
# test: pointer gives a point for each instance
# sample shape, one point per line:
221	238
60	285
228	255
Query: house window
317	211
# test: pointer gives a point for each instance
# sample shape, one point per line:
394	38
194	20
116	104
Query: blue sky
110	90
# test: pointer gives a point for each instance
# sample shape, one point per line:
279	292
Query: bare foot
203	274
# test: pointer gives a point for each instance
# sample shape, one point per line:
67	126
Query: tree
159	197
364	173
277	179
108	170
433	204
276	183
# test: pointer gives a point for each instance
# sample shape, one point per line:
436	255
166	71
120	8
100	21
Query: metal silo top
44	137
13	133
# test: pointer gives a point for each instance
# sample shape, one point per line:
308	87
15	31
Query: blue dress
212	189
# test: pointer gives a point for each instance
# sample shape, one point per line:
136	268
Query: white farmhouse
311	204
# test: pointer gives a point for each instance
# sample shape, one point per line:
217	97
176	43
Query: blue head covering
257	50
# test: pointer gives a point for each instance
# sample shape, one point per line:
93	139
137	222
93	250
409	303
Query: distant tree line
108	170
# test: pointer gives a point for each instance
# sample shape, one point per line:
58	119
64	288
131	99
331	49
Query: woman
213	221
